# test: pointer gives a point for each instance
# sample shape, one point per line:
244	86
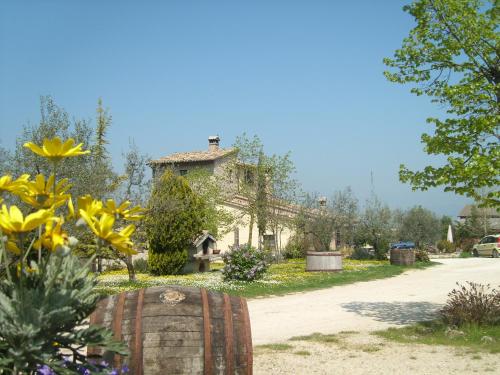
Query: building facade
222	164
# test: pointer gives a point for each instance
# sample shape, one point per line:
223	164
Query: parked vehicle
488	246
407	245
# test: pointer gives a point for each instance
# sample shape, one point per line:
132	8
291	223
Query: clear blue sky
305	76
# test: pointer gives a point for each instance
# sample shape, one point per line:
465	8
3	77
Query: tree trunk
250	230
130	268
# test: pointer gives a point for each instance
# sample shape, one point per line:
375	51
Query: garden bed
282	278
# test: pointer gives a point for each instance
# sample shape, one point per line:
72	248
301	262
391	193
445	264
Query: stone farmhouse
492	215
222	164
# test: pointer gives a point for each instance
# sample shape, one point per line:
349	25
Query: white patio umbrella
449	237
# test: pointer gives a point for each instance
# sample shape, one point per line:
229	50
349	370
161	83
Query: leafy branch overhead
452	55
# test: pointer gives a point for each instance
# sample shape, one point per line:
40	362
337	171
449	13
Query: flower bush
472	303
46	292
244	263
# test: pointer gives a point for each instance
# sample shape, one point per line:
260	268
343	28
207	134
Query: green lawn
286	277
471	337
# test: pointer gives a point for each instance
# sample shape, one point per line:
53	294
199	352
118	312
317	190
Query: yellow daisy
103	228
10	185
54	149
13	221
122	211
90	205
40	193
53	237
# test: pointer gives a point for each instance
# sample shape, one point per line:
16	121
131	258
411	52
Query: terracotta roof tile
183	157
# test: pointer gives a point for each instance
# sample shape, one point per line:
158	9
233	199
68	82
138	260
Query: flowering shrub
244	263
46	292
472	303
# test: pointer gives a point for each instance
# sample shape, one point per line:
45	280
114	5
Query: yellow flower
55	150
53	237
40	194
13	221
103	228
7	184
89	205
122	211
71	209
11	245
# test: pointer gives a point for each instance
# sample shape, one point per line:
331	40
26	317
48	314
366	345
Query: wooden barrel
402	257
178	330
324	261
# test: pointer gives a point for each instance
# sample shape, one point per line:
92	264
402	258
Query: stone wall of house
226	241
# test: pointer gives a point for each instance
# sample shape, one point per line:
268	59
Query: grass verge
475	338
282	278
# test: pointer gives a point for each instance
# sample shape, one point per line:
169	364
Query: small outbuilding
200	253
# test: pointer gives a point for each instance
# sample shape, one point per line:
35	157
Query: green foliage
296	247
445	246
270	186
167	263
42	313
55	121
375	227
452	56
421	256
345	211
141	265
217	220
475	226
135	184
261	195
438	333
465	254
421	226
176	215
360	253
472	303
244	263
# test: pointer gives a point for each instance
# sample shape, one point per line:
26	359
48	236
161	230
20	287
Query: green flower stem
3	254
40	247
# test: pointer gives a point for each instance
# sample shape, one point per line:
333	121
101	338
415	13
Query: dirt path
366	306
365	354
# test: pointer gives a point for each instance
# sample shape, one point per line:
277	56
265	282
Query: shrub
421	256
361	254
295	248
445	246
244	263
467	244
472	304
175	217
168	263
141	265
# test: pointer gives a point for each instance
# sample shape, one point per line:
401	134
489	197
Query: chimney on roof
213	143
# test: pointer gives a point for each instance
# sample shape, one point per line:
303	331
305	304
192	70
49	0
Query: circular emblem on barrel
172	297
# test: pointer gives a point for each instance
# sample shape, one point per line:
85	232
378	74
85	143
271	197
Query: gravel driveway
366	306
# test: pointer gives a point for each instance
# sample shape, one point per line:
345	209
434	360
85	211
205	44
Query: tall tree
261	197
345	212
135	183
421	226
218	221
283	191
105	180
452	55
175	217
245	167
375	226
55	121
